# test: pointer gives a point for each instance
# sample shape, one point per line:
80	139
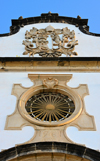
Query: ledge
64	64
4	59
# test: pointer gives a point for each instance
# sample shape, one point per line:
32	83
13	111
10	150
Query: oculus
50	42
50	107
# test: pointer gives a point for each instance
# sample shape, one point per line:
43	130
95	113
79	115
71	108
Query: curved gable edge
49	17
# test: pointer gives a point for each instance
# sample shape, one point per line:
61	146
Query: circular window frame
60	89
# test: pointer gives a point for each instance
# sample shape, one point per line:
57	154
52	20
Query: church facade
49	90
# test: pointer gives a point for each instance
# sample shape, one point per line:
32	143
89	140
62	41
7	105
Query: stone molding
49	151
64	64
53	131
49	17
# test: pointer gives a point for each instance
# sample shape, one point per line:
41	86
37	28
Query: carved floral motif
37	42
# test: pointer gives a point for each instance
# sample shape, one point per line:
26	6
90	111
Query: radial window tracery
50	107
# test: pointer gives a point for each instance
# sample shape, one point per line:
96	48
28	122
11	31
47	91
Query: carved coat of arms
50	42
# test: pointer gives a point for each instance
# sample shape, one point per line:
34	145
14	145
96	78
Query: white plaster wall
11	46
8	138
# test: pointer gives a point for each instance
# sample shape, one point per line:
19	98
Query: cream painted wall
9	138
11	46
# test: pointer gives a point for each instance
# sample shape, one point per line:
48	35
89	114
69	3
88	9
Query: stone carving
50	82
62	41
50	130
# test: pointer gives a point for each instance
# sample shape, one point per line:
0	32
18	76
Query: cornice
60	64
5	59
49	17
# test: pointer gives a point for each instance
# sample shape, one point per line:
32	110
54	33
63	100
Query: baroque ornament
50	107
50	42
50	82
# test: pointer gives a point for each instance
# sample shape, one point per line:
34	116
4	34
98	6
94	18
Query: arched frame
59	89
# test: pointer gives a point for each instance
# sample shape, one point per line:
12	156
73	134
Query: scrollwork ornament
50	83
62	41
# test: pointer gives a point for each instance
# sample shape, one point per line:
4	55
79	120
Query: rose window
50	107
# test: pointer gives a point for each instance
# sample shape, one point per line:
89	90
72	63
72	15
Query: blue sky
87	9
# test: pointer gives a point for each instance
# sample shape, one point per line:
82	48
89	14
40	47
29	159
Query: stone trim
28	151
50	131
60	89
49	17
7	59
44	18
64	64
85	30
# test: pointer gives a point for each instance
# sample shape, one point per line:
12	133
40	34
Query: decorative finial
49	13
78	17
20	18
